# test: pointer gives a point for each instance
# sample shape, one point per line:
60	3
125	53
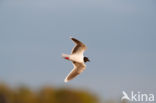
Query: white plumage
77	59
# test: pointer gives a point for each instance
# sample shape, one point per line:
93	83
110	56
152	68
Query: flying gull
77	58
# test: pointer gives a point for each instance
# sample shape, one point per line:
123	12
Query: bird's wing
78	68
79	47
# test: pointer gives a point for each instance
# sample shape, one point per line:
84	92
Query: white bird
77	58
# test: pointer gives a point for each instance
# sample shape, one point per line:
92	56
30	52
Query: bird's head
86	59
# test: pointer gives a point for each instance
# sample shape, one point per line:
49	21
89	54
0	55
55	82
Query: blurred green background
45	94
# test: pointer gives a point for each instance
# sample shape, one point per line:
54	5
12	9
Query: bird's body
74	57
77	58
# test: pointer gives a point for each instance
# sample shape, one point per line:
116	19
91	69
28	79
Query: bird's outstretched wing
79	47
78	68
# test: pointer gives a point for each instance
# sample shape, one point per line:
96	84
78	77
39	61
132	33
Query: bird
78	59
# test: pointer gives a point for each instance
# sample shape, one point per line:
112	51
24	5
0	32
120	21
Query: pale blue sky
120	35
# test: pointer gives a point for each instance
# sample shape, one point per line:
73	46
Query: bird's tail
65	55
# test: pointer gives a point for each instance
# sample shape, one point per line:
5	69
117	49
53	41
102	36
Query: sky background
120	35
